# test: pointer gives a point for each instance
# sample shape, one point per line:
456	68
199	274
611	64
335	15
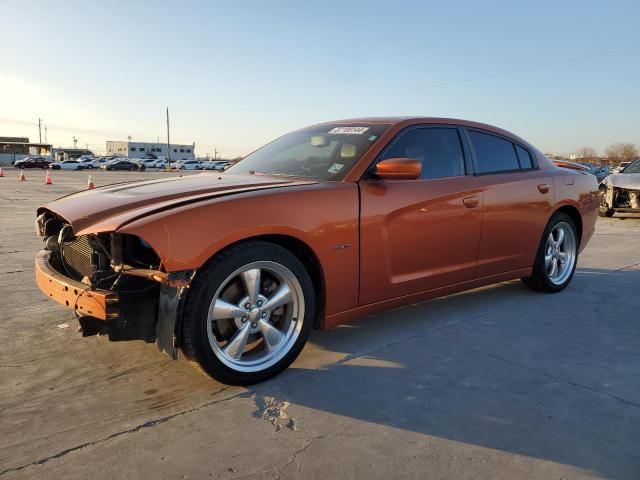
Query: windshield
324	152
633	167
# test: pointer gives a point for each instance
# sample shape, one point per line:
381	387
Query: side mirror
399	169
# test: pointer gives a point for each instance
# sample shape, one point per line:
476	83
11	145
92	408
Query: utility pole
40	129
168	144
75	141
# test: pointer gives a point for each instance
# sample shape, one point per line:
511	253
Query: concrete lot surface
496	383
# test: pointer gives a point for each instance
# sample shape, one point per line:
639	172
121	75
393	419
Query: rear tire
553	250
228	324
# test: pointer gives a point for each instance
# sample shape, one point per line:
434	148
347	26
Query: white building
150	150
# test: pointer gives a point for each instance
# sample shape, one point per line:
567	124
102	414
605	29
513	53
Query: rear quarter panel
579	190
323	216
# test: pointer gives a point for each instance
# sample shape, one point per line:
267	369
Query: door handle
544	188
470	202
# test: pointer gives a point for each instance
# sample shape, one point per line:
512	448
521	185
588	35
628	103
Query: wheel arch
307	257
573	212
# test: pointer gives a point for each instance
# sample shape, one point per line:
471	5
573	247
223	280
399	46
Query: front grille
77	257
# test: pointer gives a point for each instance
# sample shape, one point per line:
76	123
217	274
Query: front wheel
248	314
557	256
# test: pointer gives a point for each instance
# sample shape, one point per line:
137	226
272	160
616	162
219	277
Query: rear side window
438	149
493	154
524	158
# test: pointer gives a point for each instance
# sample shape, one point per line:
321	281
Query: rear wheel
248	314
557	256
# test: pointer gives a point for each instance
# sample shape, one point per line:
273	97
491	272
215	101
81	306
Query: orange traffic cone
22	177
90	184
1	173
47	179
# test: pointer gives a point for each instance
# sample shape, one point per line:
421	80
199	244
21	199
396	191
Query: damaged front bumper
99	304
105	280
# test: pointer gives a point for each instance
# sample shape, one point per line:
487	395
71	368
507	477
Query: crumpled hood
132	200
624	180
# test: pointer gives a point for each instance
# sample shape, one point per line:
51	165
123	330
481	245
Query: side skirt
349	315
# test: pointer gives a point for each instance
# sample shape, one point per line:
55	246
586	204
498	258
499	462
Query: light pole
168	144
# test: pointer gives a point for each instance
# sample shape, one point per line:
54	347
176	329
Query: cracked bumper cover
100	304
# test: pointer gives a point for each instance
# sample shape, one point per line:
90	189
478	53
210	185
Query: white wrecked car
621	191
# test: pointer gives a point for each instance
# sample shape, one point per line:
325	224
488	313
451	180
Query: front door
418	235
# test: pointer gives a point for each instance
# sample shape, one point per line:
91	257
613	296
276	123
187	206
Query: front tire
248	314
557	256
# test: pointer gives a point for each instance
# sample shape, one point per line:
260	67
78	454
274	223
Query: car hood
624	180
125	202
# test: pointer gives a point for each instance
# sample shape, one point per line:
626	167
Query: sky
236	74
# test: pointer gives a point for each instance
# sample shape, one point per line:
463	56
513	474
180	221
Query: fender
326	219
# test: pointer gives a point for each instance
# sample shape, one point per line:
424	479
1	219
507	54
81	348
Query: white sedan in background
69	165
190	165
89	162
160	164
147	162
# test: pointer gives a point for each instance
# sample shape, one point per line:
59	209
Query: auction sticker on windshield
335	168
349	130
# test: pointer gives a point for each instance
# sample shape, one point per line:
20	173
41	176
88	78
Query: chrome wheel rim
255	316
560	253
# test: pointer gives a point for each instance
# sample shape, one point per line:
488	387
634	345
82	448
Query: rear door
417	235
518	198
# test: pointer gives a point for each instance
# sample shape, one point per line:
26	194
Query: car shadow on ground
553	377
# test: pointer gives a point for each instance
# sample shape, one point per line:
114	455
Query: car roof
412	120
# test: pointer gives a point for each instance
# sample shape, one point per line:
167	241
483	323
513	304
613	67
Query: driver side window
438	149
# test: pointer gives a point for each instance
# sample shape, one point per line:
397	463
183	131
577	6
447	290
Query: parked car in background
121	164
190	165
161	164
223	165
68	165
620	192
105	159
32	162
89	162
397	211
147	162
215	165
620	167
591	168
603	172
209	165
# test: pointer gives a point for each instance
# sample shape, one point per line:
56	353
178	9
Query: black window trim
468	167
476	170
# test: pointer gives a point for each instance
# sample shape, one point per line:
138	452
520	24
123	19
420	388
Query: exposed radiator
77	256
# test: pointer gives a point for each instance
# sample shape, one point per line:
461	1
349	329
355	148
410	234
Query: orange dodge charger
314	229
